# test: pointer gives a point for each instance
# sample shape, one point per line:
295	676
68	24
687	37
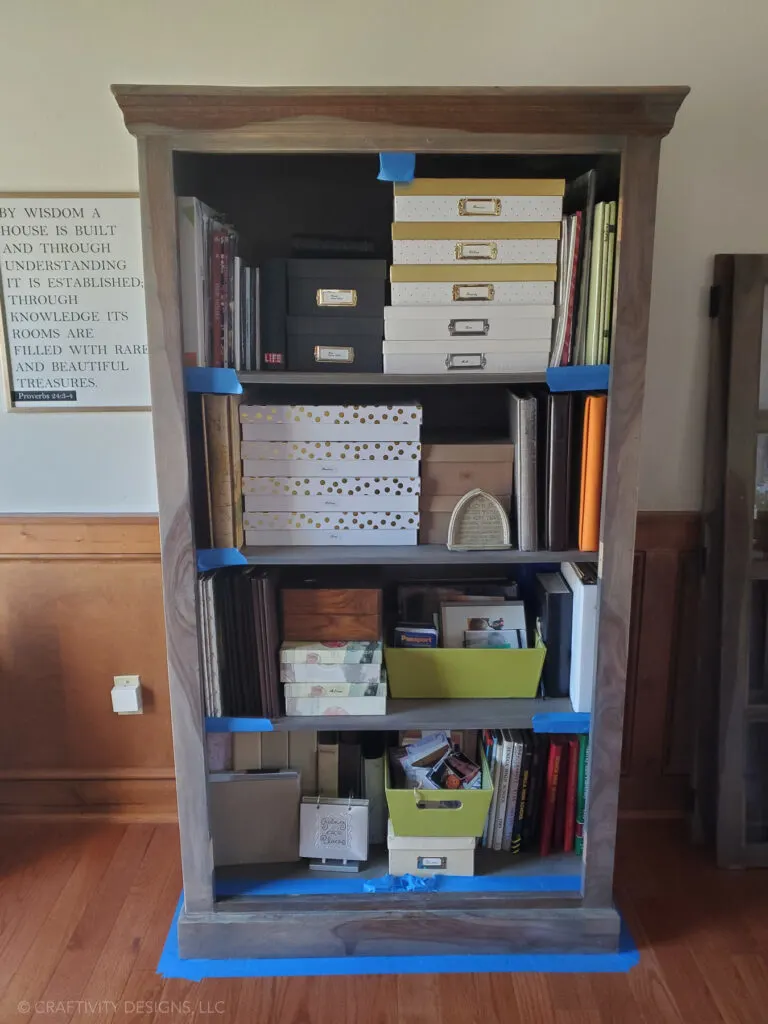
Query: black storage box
336	288
330	344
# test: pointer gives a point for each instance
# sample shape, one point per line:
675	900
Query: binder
523	426
558	470
582	579
554	607
593	439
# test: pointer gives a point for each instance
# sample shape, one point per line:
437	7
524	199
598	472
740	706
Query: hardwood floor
85	908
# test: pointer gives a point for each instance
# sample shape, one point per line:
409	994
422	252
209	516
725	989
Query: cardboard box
331	422
316	522
339	538
460	477
430	855
349	452
461	295
501	324
254	469
316	494
311	652
435	516
479	360
313	707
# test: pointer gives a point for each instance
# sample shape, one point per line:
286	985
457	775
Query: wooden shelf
467	713
406	554
387	379
494	872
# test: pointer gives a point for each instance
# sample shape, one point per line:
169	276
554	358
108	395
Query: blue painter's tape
578	378
341	885
574	721
171	965
225	724
212	380
219	558
396	166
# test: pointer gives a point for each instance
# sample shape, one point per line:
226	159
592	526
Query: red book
570	793
550	796
558	831
217	324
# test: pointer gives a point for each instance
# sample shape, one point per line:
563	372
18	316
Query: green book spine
581	795
595	279
613	209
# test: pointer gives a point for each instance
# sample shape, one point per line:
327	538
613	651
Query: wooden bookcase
533	128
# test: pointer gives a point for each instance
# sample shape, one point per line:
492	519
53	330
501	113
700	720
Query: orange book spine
593	441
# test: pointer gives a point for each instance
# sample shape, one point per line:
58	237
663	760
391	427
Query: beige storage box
450	469
435	515
430	855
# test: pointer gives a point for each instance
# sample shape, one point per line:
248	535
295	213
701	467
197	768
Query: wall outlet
126	695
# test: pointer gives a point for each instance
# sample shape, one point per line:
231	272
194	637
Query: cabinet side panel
169	420
637	210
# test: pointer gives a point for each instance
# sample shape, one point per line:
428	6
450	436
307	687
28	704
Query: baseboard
112	796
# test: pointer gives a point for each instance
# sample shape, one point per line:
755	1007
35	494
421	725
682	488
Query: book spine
274	303
571	318
550	798
578	841
570	794
217	297
513	797
492	756
516	846
538	759
506	771
218	433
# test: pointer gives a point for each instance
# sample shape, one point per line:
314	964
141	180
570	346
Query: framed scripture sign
74	332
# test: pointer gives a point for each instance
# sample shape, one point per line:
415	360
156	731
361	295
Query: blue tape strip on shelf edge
396	166
578	378
218	558
574	722
351	885
225	724
171	965
212	380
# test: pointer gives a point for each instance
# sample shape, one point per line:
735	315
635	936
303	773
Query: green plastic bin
461	672
439	812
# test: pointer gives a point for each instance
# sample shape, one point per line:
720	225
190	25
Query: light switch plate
126	695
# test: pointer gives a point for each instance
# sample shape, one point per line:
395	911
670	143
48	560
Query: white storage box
430	855
408	323
332	451
255	469
337	538
471	296
479	360
314	522
486	250
331	422
315	494
480	199
312	707
534	346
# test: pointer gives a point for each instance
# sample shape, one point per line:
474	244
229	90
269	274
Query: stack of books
584	322
333	679
474	266
539	791
331	474
219	293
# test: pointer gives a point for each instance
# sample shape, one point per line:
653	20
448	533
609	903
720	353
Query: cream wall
62	130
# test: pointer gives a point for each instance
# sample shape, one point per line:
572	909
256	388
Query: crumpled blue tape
401	883
396	166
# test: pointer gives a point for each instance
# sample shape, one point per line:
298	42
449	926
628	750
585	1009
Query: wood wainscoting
81	602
